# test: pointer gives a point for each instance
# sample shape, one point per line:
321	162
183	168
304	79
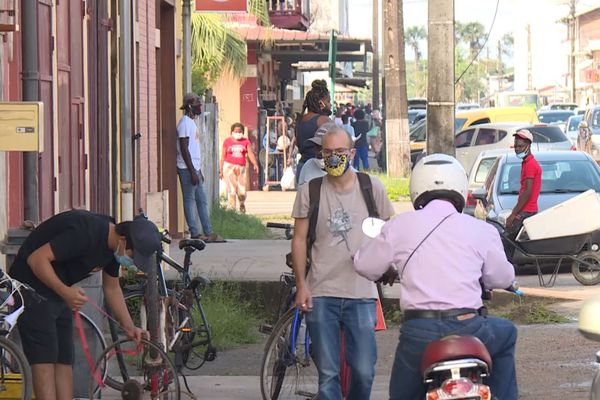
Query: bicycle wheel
196	344
151	372
96	346
288	371
15	376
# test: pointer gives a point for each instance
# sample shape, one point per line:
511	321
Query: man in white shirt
188	169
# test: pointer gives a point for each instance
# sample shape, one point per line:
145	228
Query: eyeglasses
328	152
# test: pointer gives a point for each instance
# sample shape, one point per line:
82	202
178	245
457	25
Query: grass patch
232	319
397	188
232	225
528	311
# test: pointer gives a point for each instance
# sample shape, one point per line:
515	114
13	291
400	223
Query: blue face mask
522	155
123	260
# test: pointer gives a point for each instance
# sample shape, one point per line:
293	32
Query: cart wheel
586	268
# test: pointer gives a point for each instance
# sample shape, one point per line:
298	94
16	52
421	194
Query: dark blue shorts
46	331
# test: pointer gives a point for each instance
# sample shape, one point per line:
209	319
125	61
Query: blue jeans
499	336
194	203
362	154
357	319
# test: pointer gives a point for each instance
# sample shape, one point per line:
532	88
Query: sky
510	12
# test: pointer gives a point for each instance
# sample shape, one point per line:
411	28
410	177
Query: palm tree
413	37
472	33
218	49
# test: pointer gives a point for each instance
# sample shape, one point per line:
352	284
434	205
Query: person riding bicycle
443	259
333	295
60	252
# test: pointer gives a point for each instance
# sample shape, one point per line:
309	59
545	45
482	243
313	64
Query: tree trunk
397	141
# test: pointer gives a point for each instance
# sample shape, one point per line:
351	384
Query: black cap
145	240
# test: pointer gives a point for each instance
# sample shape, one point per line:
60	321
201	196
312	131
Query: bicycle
180	327
15	374
288	370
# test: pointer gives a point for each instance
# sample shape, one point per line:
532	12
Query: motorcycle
453	367
589	327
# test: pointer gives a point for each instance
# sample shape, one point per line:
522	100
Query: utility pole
529	80
375	64
440	80
572	58
500	66
396	103
187	47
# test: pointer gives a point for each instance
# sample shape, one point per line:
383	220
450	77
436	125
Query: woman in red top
232	166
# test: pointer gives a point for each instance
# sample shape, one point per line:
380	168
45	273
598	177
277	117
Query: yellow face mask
336	164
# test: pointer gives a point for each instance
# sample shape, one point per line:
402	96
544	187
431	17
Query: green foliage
218	49
533	313
232	319
232	225
200	81
397	188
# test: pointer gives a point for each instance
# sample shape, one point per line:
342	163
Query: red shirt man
531	184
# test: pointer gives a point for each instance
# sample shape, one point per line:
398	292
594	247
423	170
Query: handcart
576	248
569	230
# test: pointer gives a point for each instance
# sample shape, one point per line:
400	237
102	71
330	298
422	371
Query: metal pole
375	69
332	60
572	58
396	102
187	46
126	110
29	48
440	81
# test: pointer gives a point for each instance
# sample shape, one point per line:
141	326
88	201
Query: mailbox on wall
22	126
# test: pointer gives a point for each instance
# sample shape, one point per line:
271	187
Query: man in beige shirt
332	294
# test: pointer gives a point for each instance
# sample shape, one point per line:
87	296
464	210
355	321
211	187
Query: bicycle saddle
194	243
199	281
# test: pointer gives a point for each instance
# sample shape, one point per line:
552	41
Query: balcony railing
289	14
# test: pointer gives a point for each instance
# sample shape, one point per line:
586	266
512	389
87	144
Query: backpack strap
314	196
366	187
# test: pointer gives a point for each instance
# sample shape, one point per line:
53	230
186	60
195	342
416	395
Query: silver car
573	128
477	138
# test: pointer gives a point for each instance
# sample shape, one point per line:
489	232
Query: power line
482	46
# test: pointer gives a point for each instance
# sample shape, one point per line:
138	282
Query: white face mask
237	135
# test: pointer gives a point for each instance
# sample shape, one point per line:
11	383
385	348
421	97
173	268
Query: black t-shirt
361	127
79	241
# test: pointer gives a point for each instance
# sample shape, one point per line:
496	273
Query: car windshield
547	134
574	122
564	176
418	132
554	117
458	124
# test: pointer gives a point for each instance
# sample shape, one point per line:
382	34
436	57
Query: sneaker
213	238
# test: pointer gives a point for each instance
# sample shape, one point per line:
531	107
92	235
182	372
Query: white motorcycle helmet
589	323
438	176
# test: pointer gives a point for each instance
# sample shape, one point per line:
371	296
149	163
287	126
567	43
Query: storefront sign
225	6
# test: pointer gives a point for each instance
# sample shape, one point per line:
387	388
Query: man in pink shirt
441	256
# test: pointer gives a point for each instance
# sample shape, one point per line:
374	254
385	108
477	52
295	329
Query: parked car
464	119
417	103
573	128
560	106
565	174
415	115
472	141
479	173
467	106
556	117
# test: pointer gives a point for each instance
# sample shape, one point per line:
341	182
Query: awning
291	46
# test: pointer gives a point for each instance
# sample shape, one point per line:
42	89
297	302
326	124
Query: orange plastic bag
380	325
